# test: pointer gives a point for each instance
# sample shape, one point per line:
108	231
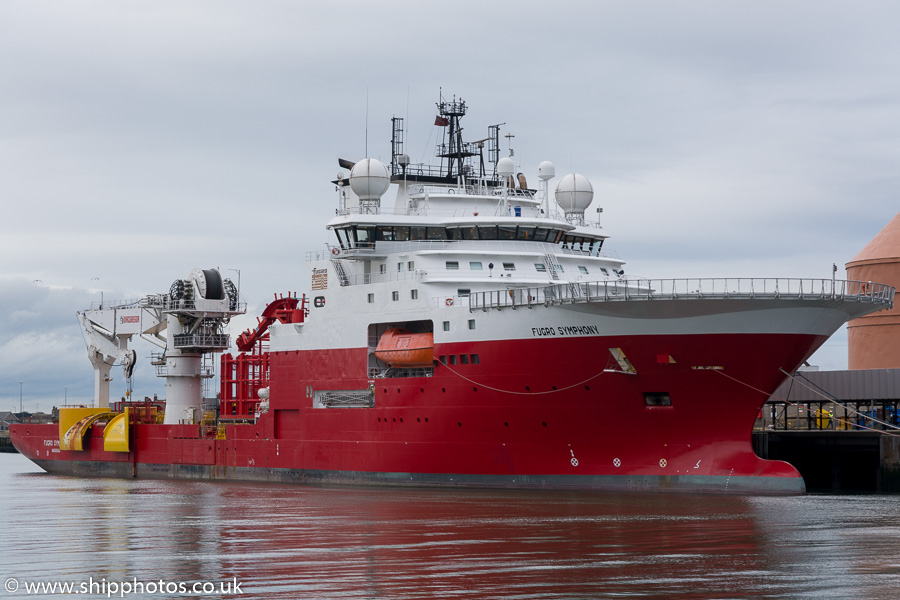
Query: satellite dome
546	170
506	167
574	193
369	179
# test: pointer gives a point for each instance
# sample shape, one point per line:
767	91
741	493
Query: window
446	325
399	267
414	294
395	296
583	269
371	298
463	292
411	265
463	359
540	267
382	269
525	233
452	359
475	265
471	323
473	358
509	266
657	399
384	233
452	265
442	359
604	271
505	232
488	233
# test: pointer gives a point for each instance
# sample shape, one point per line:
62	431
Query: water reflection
303	542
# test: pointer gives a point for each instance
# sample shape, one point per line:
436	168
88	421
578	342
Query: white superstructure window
414	294
540	267
371	298
475	265
446	325
395	296
583	269
509	266
452	265
411	265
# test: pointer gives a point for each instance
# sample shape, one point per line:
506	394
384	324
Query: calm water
280	541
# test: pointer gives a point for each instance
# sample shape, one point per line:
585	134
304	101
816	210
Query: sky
142	139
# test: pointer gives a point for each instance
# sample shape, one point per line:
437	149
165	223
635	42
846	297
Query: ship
467	330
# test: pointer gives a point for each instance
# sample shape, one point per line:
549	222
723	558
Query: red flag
441	121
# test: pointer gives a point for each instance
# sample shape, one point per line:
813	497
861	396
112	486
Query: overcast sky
139	140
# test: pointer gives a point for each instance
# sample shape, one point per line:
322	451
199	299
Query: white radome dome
369	179
546	170
506	167
574	193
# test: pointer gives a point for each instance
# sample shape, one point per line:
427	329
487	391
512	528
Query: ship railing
683	289
387	276
518	247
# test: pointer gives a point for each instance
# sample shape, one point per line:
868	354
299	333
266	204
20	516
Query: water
277	541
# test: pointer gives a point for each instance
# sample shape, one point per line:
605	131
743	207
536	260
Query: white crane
193	315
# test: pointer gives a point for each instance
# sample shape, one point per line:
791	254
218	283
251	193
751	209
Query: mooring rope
494	389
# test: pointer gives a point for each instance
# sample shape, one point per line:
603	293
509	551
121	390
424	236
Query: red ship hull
542	413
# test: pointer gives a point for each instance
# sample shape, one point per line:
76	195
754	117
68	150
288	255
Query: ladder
552	265
339	269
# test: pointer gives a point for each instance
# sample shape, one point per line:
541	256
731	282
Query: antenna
366	155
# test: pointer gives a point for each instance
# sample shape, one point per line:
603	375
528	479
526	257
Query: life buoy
335	251
449	301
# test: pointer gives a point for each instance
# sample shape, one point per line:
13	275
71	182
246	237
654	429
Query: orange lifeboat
400	348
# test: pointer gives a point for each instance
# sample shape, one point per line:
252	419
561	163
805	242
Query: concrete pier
836	461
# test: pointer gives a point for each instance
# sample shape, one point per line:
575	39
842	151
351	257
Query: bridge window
506	232
583	269
525	233
487	233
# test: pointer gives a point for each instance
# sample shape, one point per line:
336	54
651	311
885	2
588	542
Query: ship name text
563	330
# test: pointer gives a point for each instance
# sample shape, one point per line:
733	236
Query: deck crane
187	322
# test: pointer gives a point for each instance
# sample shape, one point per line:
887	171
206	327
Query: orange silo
874	340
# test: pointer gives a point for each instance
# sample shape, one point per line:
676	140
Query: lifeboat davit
400	348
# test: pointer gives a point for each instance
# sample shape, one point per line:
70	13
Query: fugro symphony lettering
565	330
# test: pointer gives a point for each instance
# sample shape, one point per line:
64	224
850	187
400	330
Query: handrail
684	289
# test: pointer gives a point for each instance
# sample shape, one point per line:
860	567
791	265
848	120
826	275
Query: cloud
141	141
